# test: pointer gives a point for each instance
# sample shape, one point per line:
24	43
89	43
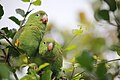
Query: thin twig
67	44
72	72
2	56
5	55
21	24
79	73
4	52
108	61
9	42
112	24
116	19
117	22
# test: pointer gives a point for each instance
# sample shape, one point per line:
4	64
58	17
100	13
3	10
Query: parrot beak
44	19
50	46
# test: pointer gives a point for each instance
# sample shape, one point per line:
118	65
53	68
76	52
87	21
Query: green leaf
73	60
14	19
37	2
43	66
77	31
29	77
101	71
26	0
70	47
77	74
86	60
116	48
22	59
4	71
1	11
11	33
8	32
5	30
118	4
102	15
67	70
46	75
33	73
21	12
23	65
112	4
32	65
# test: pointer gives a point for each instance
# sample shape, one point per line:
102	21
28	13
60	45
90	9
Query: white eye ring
37	14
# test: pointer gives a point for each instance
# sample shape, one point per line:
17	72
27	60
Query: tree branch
23	21
112	24
9	42
109	61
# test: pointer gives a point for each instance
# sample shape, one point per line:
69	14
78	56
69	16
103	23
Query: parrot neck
33	23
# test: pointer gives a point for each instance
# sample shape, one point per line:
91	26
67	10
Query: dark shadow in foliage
112	4
9	33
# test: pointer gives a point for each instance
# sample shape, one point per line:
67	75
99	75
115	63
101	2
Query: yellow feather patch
17	43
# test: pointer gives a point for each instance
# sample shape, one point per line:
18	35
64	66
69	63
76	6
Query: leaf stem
109	61
112	24
68	43
23	21
117	22
5	55
4	52
72	72
79	73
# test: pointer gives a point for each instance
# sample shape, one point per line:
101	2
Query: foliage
1	11
87	61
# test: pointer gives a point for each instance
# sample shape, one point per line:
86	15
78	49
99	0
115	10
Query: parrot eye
44	43
37	14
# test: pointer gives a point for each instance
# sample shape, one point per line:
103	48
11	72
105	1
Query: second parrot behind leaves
51	53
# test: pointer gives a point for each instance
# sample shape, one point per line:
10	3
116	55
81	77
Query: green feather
53	56
28	38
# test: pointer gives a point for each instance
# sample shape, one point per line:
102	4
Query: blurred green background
88	32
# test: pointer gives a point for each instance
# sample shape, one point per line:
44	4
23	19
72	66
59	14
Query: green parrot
51	52
28	38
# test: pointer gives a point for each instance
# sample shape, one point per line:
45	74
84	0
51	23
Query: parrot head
47	45
38	17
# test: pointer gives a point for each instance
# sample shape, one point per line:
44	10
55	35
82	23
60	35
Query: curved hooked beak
44	19
50	46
